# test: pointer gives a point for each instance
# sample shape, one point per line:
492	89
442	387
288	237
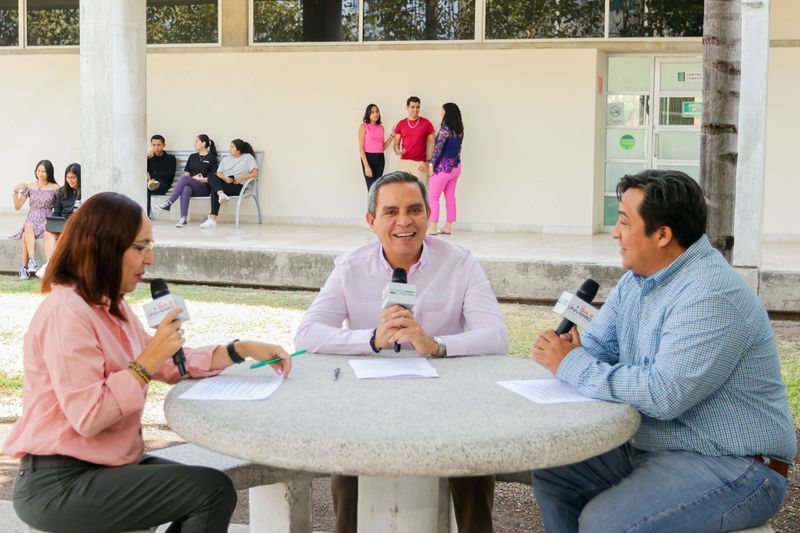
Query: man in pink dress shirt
456	313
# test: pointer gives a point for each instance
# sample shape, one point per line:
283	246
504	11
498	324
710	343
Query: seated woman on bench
194	181
233	171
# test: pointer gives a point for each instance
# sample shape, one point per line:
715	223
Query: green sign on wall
692	109
627	142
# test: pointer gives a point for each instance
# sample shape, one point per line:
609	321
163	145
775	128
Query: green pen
262	363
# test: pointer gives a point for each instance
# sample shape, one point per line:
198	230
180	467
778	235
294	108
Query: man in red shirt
416	135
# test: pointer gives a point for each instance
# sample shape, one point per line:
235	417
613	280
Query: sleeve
26	193
251	163
441	138
58	205
187	168
700	345
321	331
198	365
91	400
212	167
171	167
430	128
600	340
397	128
485	330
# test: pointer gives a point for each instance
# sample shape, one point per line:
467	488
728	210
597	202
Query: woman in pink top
88	362
372	145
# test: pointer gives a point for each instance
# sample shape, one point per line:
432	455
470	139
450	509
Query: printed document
394	368
233	388
546	391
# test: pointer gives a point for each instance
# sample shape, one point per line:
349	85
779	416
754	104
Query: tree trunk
431	19
722	31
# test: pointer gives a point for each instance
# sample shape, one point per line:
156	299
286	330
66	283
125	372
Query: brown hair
89	253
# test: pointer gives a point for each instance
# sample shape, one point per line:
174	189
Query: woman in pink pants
446	168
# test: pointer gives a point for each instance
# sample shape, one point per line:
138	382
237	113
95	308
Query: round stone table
462	423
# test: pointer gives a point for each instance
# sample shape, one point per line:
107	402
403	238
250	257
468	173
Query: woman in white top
232	172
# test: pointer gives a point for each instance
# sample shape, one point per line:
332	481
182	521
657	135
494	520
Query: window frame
361	43
190	45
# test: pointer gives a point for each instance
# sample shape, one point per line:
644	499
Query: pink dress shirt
454	301
79	398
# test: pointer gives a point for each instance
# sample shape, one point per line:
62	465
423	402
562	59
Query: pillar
748	225
113	97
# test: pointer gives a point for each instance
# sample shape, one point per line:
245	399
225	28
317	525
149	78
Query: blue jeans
632	490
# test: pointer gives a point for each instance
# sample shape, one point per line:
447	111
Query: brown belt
774	464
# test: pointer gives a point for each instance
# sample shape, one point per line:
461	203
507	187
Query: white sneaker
41	271
31	265
223	197
165	206
209	223
181	222
23	273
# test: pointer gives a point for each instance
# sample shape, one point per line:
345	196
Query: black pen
335	373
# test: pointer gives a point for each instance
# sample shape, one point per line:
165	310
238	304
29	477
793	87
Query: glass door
653	111
679	107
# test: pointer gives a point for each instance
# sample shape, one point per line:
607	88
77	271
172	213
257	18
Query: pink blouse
373	138
79	398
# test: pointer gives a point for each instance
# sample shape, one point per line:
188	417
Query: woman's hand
166	341
230	180
20	188
367	171
261	351
198	177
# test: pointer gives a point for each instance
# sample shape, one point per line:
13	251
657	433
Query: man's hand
550	349
150	154
410	331
385	328
423	167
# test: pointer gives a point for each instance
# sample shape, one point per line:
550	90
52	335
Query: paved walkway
520	265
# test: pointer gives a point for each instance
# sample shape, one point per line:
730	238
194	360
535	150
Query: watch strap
233	354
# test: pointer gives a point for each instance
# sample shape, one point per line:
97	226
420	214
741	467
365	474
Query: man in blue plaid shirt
685	341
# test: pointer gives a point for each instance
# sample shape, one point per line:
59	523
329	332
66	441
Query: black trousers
64	494
216	184
377	162
473	499
163	187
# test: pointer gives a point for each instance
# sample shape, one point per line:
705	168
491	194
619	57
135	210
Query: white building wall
529	151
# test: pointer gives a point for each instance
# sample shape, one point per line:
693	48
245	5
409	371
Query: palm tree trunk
722	34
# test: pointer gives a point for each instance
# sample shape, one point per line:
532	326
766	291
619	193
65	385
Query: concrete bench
525	479
280	500
250	187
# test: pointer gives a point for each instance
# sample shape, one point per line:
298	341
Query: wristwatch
233	354
442	348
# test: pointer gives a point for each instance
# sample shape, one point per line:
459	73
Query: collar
697	250
419	266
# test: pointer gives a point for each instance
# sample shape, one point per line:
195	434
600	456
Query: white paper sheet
395	368
233	388
546	391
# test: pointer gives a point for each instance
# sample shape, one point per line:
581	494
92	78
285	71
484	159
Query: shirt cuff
127	390
199	362
574	365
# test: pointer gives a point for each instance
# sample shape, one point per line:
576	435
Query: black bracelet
233	354
372	341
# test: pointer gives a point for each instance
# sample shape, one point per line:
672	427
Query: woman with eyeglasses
82	462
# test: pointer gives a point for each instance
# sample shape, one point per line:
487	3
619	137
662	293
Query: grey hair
394	177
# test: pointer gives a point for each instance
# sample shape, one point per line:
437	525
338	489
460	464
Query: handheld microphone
155	311
586	292
399	292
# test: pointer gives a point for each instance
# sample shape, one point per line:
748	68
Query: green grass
523	321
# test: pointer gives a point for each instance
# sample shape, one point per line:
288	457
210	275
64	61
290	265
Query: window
297	21
9	23
53	23
541	19
419	20
656	18
182	21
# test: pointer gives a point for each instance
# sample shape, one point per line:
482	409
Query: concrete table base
395	505
281	507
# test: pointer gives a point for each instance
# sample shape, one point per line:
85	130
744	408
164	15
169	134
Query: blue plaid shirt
692	349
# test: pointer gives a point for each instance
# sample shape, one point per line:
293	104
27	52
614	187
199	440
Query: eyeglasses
145	247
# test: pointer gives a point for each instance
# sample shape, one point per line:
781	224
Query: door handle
655	145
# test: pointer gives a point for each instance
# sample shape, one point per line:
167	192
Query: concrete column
748	222
113	97
396	505
235	22
281	507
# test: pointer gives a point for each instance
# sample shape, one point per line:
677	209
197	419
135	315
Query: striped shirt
692	349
